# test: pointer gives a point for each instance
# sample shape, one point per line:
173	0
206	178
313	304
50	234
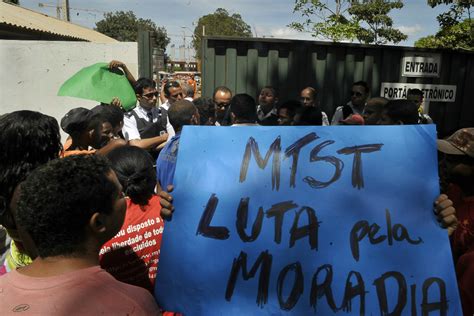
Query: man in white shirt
243	110
188	92
145	126
359	94
309	98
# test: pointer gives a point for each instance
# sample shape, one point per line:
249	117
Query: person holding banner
182	113
458	160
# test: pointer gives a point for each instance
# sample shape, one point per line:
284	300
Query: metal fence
247	65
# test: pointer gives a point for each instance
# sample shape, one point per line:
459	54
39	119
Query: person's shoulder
129	114
123	293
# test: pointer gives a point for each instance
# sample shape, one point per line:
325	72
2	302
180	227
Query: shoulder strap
346	111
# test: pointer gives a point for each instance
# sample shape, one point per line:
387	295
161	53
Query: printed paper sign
421	66
431	92
306	221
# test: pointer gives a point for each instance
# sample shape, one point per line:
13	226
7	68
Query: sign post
306	220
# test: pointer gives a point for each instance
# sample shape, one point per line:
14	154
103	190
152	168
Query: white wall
33	71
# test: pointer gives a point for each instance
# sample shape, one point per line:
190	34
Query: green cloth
98	83
16	259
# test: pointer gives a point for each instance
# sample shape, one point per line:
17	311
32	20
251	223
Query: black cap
76	120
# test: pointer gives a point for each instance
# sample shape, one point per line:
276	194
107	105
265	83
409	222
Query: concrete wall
33	71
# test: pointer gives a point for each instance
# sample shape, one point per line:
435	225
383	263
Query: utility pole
65	9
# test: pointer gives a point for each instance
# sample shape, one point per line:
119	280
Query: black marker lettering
265	262
350	292
252	147
242	220
296	291
310	230
357	175
294	150
441	305
319	290
382	293
204	228
337	163
278	211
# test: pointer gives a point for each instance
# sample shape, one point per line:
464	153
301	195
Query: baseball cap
354	119
459	143
76	120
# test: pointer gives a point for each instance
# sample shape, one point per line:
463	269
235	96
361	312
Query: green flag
99	83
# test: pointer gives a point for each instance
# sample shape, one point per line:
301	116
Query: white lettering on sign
431	92
417	66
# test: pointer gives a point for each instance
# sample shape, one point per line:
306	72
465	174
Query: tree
220	23
17	2
335	24
380	26
124	26
456	27
366	20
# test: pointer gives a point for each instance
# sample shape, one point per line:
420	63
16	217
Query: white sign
431	92
421	66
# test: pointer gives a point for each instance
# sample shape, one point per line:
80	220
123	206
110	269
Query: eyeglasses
357	94
170	84
222	105
151	95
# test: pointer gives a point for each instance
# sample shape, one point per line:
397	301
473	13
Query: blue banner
306	220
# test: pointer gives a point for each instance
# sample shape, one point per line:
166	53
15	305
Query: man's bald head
182	113
373	110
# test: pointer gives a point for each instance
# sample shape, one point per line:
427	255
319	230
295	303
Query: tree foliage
366	21
379	28
333	22
124	26
456	27
220	23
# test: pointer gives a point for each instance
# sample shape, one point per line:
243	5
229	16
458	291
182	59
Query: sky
268	18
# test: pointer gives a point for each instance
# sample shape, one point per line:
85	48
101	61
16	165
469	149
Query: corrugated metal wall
247	65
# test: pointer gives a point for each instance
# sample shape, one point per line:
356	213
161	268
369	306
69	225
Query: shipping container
246	65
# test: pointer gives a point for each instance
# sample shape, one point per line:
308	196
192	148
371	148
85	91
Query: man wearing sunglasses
221	99
145	125
359	95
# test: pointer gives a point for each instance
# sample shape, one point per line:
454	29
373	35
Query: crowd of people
84	219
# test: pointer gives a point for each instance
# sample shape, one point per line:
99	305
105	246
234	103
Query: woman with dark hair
28	139
132	255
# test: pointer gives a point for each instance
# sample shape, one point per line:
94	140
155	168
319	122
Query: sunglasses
357	94
170	84
222	105
151	95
